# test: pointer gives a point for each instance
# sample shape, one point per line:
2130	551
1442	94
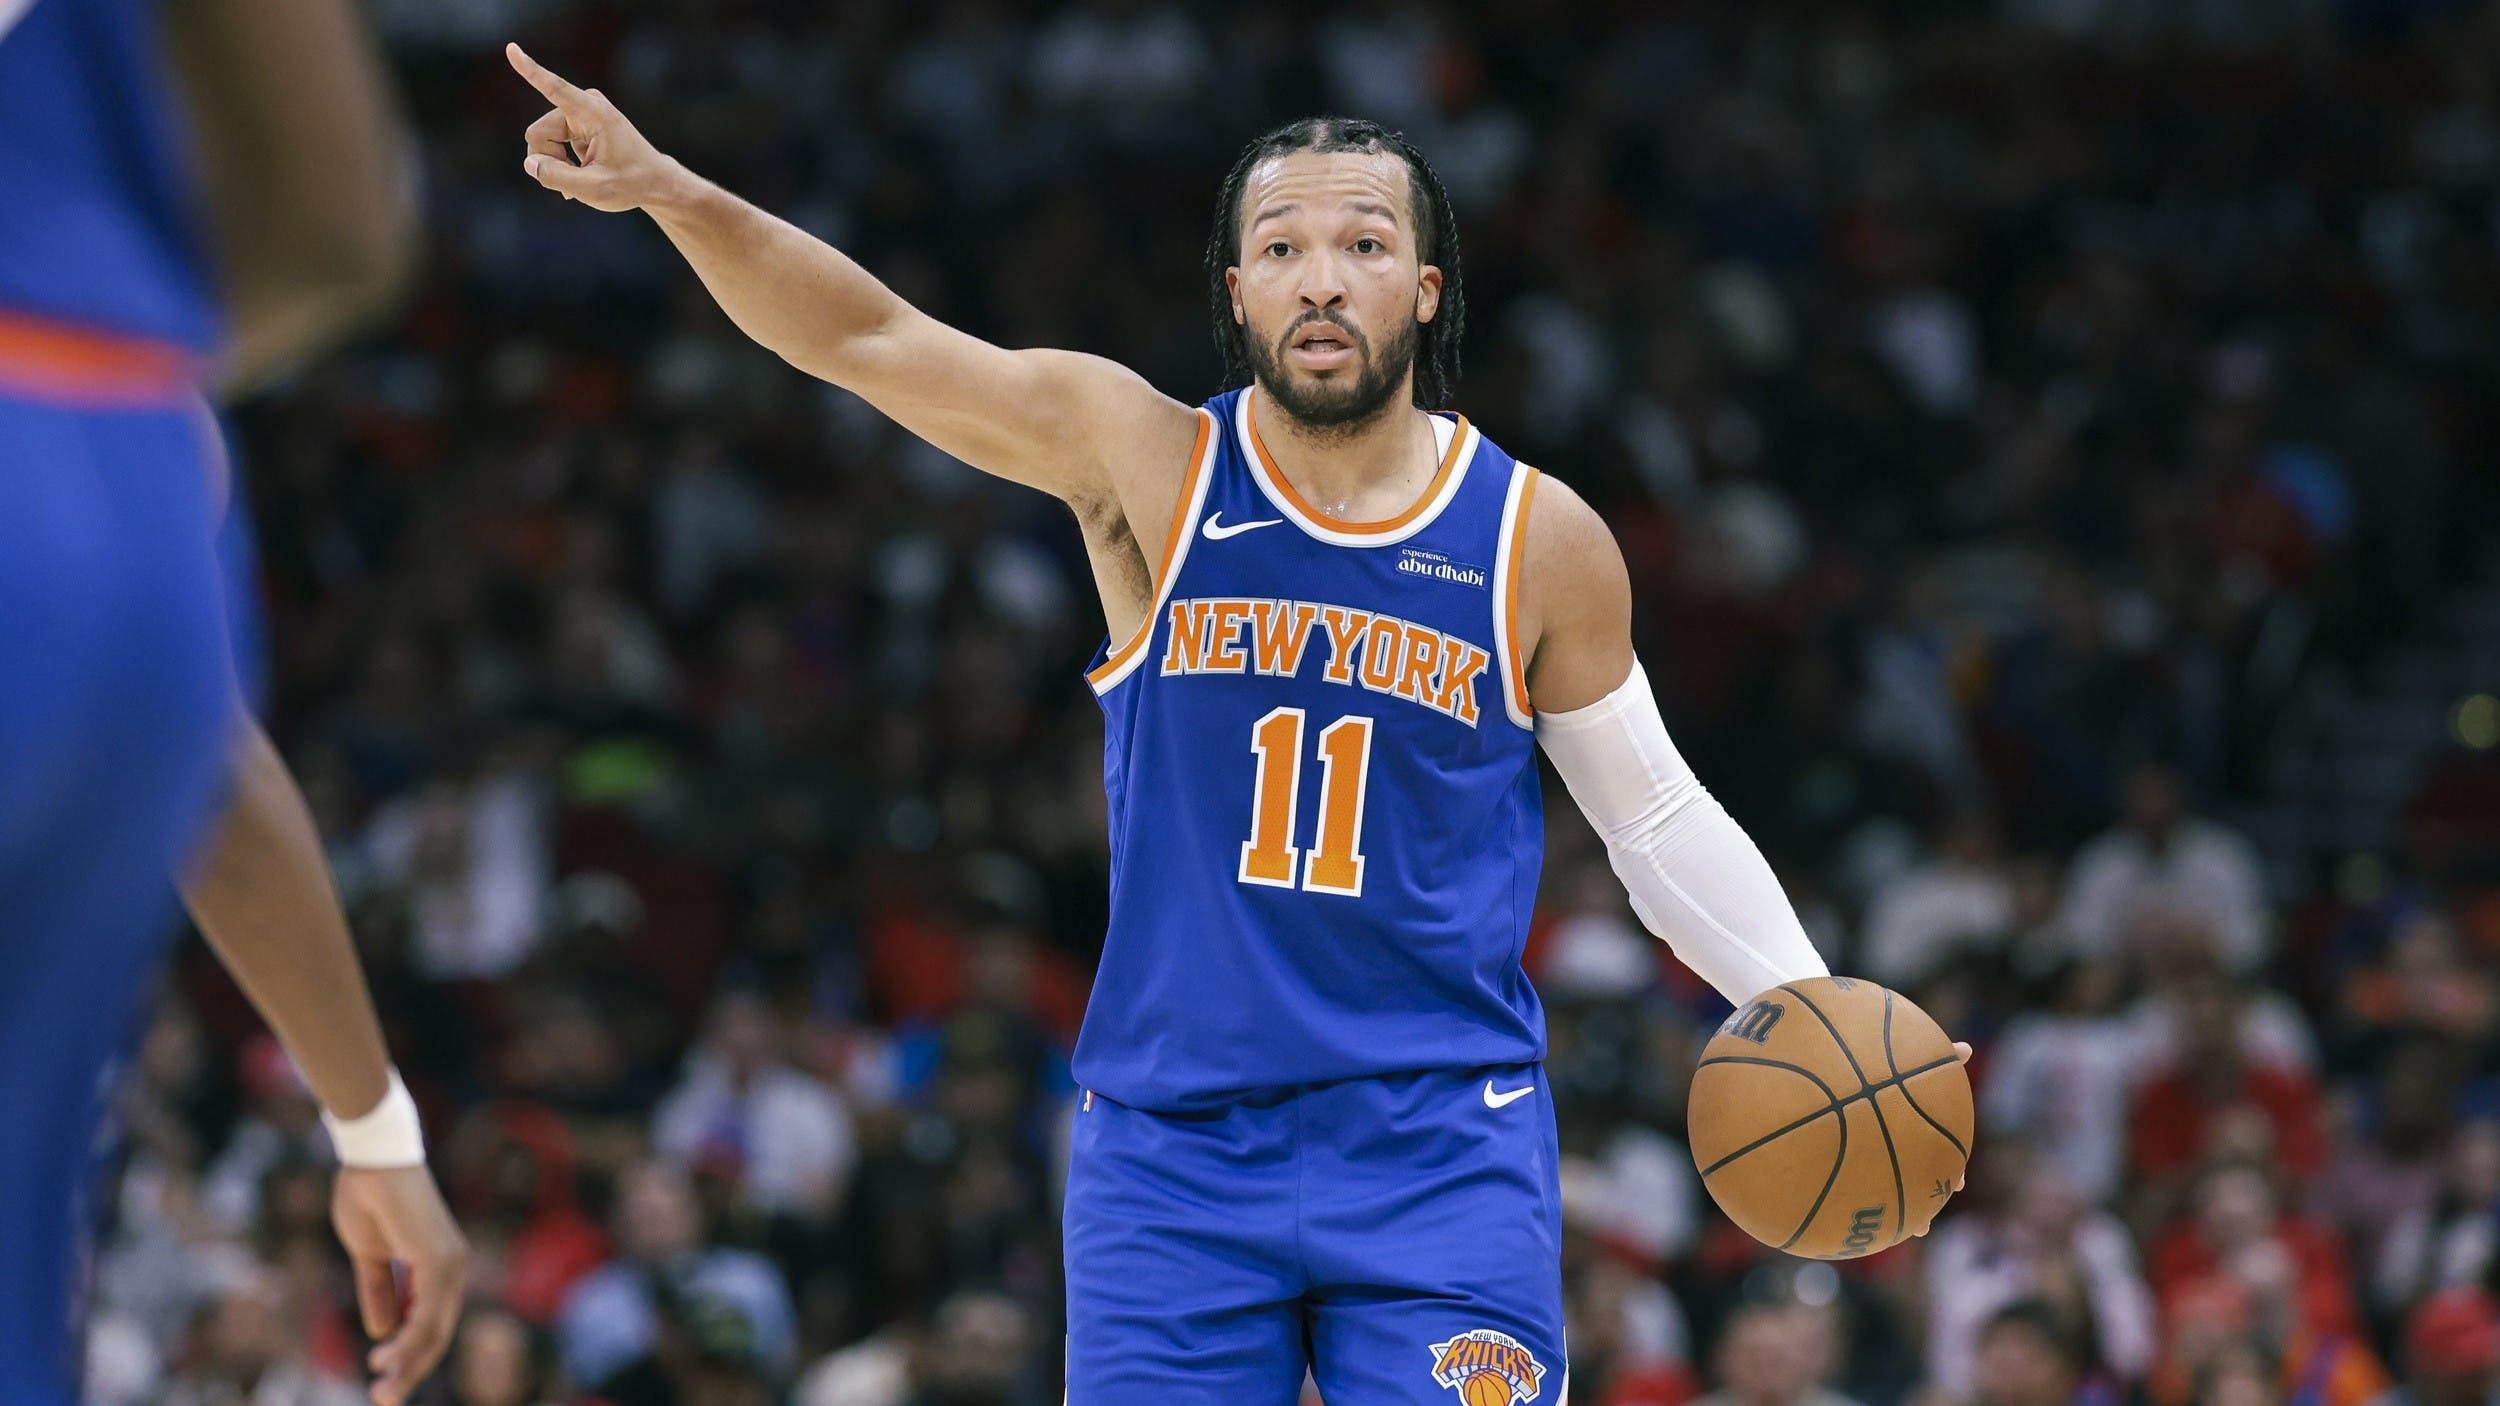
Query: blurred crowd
2005	406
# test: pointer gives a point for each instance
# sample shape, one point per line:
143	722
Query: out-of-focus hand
395	1216
1961	1051
586	150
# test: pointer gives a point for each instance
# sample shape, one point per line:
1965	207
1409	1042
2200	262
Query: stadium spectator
500	1360
2452	1350
783	1139
513	1183
1960	899
2033	1239
2215	1101
2240	1268
2062	1075
2024	1358
2074	412
2454	1239
240	1350
1773	1354
281	1123
2161	867
614	1318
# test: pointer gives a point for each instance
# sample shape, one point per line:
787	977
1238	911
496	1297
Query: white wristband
386	1137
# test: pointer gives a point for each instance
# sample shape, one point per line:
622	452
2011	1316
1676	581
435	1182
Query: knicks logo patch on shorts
1487	1368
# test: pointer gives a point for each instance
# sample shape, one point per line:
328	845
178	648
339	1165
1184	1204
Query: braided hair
1436	227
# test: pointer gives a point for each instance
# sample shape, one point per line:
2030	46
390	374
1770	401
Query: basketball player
1313	1135
119	719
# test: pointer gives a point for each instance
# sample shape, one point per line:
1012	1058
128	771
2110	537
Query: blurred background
2053	442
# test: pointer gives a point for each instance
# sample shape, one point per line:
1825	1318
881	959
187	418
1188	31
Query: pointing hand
586	150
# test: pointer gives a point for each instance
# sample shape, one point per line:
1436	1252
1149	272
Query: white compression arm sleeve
1695	878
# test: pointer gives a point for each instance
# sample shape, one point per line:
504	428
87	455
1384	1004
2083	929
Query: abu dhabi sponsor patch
1416	561
1487	1368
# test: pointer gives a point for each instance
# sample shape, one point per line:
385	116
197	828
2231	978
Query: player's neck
1361	473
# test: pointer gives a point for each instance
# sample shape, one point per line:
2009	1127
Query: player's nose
1323	284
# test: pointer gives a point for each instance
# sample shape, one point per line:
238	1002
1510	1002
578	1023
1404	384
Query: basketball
1829	1118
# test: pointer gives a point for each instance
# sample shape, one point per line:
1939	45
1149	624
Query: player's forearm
1699	882
788	290
261	892
1695	878
311	207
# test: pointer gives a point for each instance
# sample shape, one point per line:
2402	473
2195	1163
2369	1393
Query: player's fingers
377	1296
1961	1050
549	133
563	177
434	1290
545	80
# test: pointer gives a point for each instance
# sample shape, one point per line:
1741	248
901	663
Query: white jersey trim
1184	531
1445	430
1513	672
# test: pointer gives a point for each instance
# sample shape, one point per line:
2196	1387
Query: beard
1335	406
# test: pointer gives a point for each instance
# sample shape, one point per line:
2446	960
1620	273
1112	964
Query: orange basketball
1829	1118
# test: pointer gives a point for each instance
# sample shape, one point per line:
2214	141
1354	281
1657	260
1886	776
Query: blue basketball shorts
115	691
1399	1239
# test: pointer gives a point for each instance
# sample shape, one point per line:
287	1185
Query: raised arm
1075	426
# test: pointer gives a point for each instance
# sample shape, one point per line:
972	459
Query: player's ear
1427	292
1232	285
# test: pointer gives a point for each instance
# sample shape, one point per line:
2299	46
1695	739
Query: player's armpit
1575	602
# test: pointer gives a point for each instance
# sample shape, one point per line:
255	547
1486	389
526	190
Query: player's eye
1277	248
1367	245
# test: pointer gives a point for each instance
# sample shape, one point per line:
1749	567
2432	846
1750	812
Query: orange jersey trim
43	357
1518	680
1431	493
1171	543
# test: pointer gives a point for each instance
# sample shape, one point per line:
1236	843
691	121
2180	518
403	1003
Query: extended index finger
553	88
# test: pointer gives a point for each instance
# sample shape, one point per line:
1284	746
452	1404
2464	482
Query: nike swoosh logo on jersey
1217	531
1504	1100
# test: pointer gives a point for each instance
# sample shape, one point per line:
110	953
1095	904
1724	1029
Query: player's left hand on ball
1961	1051
395	1216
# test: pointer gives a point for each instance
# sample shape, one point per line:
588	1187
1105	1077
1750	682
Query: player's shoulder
1574	599
1568	546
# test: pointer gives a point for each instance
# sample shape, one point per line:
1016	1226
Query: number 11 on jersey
1269	856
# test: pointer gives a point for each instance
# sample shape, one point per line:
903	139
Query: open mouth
1323	346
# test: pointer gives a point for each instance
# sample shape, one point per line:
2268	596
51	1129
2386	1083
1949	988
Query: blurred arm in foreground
313	223
311	201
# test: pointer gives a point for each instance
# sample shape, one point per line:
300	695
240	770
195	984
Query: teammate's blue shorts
115	688
1399	1238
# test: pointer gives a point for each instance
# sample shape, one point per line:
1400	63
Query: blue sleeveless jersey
1324	807
97	223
